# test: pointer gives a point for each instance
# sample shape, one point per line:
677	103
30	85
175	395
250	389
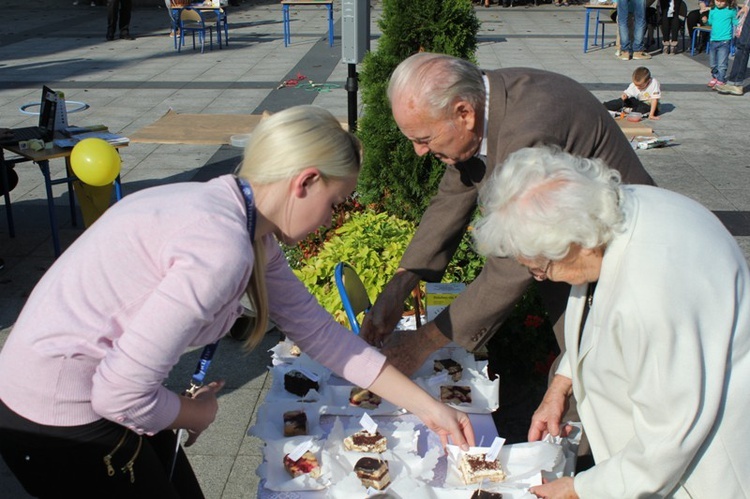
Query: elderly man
451	109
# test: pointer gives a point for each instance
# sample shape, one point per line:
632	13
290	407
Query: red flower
533	321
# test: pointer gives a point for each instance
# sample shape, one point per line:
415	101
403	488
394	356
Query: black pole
351	88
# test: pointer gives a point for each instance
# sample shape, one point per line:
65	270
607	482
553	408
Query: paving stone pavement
130	84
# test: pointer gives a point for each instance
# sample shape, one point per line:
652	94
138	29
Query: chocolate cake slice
373	473
455	370
364	441
474	468
297	383
295	423
484	494
455	394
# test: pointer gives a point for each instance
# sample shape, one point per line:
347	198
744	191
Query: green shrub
393	177
372	243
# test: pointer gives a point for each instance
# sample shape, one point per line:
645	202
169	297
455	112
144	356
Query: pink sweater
163	270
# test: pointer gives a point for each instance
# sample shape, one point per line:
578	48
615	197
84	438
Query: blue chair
353	294
192	21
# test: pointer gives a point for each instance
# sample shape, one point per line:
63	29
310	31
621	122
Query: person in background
641	96
635	48
693	19
83	409
669	12
118	16
657	332
736	76
722	17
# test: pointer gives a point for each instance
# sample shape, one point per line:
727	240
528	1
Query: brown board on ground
177	128
210	129
631	129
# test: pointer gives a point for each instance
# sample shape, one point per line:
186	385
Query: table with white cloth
418	464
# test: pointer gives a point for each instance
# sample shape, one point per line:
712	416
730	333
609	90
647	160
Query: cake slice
484	494
474	468
364	441
455	370
295	423
297	383
373	473
455	394
306	465
363	398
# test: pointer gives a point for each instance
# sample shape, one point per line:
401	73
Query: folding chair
353	294
355	299
191	20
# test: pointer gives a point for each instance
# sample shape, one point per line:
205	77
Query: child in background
641	96
722	17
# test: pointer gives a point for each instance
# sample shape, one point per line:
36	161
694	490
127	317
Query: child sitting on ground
641	96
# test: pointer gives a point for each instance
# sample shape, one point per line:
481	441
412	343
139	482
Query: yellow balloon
95	162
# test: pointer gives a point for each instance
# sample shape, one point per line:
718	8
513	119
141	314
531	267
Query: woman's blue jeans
638	8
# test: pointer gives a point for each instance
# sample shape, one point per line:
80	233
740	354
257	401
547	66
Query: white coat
662	377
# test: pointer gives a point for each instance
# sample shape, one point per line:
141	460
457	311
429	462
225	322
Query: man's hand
388	309
547	417
408	350
562	488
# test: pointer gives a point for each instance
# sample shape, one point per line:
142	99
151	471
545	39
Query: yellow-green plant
372	243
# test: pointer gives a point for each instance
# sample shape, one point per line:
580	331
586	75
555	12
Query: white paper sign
368	424
300	450
441	377
494	451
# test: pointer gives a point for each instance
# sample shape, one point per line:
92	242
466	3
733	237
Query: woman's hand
447	422
562	488
199	411
450	423
548	416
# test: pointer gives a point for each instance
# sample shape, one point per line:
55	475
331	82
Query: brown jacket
528	107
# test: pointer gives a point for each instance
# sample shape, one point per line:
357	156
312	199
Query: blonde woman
83	408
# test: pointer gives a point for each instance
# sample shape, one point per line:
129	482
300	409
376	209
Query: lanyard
208	351
247	193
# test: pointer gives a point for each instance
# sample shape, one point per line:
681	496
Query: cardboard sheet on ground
209	129
178	128
631	129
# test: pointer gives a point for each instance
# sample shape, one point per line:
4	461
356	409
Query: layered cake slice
474	468
297	383
483	494
306	465
295	423
364	398
455	370
364	441
373	473
455	394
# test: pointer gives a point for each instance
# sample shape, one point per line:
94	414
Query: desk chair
191	20
353	294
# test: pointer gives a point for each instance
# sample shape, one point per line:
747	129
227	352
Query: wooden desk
42	158
598	8
286	21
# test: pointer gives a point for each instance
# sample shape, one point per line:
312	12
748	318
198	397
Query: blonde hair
280	147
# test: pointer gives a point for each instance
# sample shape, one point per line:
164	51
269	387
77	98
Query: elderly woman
657	326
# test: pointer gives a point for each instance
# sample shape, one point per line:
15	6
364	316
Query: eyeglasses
538	273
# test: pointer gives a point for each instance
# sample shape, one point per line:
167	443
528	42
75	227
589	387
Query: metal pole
351	88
